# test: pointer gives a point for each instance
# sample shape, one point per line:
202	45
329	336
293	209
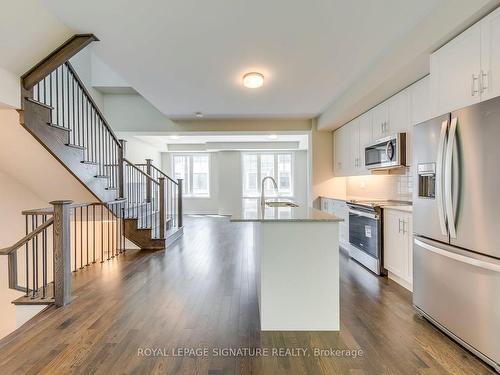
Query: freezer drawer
461	292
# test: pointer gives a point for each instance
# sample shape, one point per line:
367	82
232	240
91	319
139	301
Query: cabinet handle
473	90
399	227
482	84
404	222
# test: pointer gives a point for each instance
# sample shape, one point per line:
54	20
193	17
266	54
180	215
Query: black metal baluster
87	234
44	259
75	238
81	237
27	260
93	233
33	256
102	234
108	235
74	103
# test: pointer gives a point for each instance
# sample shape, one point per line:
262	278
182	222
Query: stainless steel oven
386	153
365	235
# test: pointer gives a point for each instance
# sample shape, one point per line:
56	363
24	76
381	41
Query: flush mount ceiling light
253	80
273	136
198	114
175	137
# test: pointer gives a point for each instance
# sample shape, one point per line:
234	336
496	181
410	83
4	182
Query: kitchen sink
281	204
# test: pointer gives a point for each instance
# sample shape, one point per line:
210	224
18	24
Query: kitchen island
297	267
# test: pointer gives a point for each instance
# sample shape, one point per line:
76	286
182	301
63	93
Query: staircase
138	203
61	114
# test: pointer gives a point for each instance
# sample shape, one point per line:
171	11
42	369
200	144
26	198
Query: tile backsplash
381	187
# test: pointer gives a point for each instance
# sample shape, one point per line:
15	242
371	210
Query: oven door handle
365	214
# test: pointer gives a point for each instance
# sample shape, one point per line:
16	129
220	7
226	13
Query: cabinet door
324	204
399	119
490	55
399	114
354	153
393	243
337	152
455	70
420	103
365	137
408	240
379	121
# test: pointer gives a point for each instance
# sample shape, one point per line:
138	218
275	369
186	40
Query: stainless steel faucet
262	197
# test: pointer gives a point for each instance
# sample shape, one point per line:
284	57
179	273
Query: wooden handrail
27	238
58	57
164	175
50	210
140	171
94	104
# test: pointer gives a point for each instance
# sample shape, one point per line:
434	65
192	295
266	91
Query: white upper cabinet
365	137
490	56
467	69
455	70
341	151
380	117
399	113
355	161
360	136
420	103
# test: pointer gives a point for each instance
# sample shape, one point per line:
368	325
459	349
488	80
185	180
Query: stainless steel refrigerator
456	250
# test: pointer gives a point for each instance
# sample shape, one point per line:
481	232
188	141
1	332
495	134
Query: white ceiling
186	56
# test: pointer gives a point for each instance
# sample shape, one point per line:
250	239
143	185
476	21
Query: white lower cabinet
398	249
339	209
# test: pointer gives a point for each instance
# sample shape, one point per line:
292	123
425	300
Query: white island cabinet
296	255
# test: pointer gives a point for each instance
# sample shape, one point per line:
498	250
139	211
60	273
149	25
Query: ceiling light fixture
253	80
198	114
273	136
175	137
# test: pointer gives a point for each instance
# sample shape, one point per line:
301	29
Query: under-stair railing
142	194
172	193
62	239
74	109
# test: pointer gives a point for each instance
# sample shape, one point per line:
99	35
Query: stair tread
37	102
89	162
101	176
38	300
75	146
58	127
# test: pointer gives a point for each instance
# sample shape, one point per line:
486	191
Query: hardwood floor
200	293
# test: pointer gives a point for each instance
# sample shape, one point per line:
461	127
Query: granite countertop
284	214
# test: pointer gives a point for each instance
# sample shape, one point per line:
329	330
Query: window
194	169
256	166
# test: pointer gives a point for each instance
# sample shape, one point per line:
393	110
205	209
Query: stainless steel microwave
386	153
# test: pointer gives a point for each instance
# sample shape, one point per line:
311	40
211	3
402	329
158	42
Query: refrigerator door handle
439	178
450	212
460	258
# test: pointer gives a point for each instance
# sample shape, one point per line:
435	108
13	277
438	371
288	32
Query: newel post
179	203
149	171
162	206
121	178
62	252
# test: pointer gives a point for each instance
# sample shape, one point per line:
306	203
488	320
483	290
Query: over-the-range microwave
386	153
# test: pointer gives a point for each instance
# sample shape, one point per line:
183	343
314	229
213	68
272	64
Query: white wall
82	62
137	151
226	183
29	178
10	90
29	33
